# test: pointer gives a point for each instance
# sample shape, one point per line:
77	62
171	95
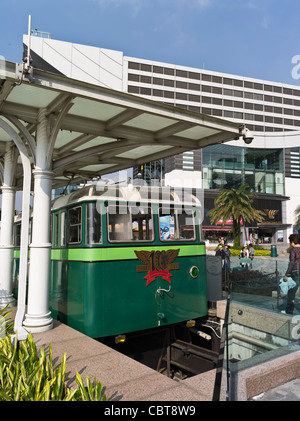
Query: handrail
224	342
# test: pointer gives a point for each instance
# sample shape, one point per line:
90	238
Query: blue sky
255	38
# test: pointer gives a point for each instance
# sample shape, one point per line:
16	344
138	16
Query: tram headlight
190	323
120	339
194	271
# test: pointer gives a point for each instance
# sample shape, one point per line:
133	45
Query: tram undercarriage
176	351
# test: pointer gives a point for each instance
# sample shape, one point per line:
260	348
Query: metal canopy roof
100	130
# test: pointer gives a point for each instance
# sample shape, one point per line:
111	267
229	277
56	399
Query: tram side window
142	224
75	225
176	224
130	223
17	235
59	228
63	228
93	224
55	226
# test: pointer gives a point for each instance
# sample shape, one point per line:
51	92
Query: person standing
251	253
220	252
227	257
293	271
244	254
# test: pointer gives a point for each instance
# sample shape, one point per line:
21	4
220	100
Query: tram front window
133	223
176	224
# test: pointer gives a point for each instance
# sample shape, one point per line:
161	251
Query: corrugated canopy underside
100	130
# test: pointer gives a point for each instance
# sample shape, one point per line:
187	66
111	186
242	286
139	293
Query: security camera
247	135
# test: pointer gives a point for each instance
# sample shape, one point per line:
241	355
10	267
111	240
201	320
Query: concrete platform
123	379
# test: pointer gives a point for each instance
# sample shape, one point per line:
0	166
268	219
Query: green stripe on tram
120	253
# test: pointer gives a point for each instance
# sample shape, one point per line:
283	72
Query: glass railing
257	328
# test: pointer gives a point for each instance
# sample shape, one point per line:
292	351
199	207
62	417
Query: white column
7	220
6	246
38	317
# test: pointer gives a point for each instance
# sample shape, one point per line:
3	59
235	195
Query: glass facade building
231	166
270	165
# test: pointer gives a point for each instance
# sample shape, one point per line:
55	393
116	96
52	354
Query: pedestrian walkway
122	378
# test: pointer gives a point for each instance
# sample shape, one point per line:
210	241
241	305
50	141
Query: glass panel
55	226
63	229
75	218
176	224
17	235
133	223
232	166
93	224
258	327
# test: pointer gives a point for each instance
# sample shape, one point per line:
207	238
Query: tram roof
131	194
100	130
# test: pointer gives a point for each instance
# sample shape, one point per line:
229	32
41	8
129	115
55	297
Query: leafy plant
258	251
6	325
297	215
27	376
235	204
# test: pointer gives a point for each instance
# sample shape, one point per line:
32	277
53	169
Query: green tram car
126	259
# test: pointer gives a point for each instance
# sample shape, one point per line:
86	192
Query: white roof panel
100	130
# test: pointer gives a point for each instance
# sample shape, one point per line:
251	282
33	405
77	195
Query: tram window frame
62	240
55	230
90	231
129	216
17	234
78	225
174	211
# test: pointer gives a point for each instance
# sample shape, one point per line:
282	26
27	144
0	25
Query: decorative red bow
165	274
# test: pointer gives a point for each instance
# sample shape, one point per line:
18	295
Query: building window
146	79
158	69
194	87
181	73
133	65
133	77
133	89
146	67
168	71
193	75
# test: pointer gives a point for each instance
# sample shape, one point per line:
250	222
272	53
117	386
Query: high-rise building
270	165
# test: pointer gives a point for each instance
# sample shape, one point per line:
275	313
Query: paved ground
128	380
289	391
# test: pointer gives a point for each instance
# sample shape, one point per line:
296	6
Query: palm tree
235	204
297	214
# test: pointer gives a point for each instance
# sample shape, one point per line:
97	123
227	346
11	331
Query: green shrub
258	251
6	325
27	376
